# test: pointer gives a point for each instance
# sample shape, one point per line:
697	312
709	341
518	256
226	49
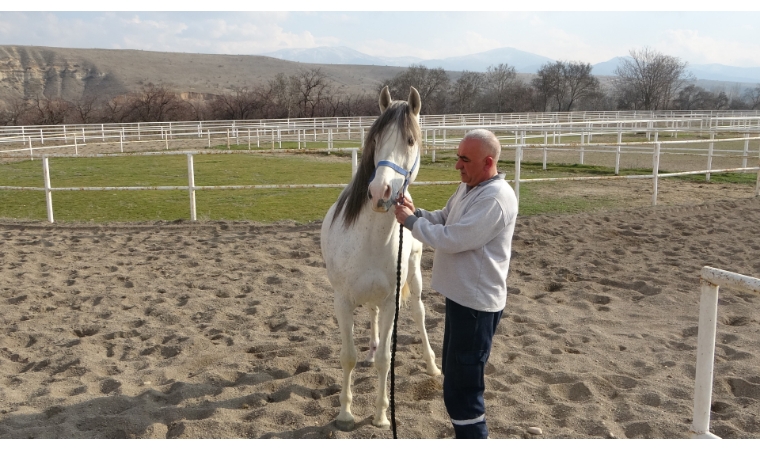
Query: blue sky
698	37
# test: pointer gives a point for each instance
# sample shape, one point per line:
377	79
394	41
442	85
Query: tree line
648	80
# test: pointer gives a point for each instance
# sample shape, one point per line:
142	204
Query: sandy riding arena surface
226	330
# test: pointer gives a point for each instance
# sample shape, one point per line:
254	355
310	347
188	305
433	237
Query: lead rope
393	335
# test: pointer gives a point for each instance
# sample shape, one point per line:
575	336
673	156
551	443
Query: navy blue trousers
467	338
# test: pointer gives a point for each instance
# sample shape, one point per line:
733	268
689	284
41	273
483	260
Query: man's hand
404	209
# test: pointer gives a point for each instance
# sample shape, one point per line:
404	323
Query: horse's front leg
373	339
383	362
343	312
418	312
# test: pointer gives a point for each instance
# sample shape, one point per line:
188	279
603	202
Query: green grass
265	205
734	178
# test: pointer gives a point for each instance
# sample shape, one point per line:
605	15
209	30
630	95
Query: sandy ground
226	329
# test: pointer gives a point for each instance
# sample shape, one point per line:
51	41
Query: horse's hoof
434	371
383	425
344	425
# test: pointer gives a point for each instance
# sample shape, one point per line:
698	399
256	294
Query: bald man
472	238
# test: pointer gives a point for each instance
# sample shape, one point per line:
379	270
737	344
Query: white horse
360	247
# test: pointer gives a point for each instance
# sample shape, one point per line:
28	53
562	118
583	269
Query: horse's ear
414	101
385	99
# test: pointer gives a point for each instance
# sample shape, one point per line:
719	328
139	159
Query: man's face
471	162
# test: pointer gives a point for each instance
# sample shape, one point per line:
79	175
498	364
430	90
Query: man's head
477	155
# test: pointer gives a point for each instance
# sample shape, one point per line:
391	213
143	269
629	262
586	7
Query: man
472	238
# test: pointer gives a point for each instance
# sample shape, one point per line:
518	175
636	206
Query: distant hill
523	62
339	55
73	73
707	76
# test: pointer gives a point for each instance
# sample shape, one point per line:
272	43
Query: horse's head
395	138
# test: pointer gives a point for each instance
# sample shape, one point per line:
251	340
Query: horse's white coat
361	265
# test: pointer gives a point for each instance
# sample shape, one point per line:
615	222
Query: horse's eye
410	141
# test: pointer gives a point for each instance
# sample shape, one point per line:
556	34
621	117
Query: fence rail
439	130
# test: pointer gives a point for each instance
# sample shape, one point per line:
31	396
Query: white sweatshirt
472	238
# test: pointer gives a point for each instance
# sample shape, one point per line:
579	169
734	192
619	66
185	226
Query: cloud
696	48
240	33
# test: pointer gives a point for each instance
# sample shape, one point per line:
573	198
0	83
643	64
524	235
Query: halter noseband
407	174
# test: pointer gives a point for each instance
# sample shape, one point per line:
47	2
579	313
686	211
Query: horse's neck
377	225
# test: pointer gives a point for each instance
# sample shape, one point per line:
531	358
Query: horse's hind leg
414	279
344	314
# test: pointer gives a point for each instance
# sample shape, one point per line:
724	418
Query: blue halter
407	174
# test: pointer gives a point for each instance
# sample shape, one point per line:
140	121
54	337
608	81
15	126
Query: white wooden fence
542	132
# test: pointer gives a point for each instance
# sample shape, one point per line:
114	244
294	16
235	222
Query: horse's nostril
369	194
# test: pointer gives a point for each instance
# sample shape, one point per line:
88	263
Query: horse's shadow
157	414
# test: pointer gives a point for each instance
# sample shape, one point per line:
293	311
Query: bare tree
242	103
16	111
279	97
49	111
85	110
649	80
564	83
432	84
357	105
154	104
500	82
466	91
752	97
115	110
312	88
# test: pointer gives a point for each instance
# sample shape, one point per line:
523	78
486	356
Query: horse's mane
354	196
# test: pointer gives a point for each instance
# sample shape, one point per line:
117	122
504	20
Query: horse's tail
405	294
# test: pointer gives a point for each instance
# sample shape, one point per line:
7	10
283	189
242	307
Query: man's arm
483	221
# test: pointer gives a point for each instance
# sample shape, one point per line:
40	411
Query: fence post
31	150
76	147
746	150
757	183
48	193
656	171
354	163
228	138
617	152
708	314
121	140
191	186
546	140
209	137
710	155
84	138
518	159
583	134
249	138
166	138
